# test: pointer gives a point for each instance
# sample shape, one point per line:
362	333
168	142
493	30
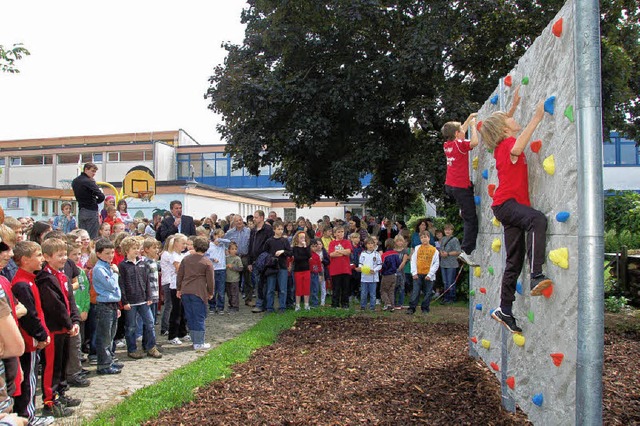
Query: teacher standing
88	196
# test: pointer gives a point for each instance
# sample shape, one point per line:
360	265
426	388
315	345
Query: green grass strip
178	387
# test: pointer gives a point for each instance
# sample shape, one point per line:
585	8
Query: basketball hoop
145	195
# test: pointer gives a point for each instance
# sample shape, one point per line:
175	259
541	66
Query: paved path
106	391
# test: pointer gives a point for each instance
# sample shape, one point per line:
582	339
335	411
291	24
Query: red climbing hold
536	145
557	28
474	339
507	80
483	290
511	382
479	126
495	366
557	358
547	292
492	190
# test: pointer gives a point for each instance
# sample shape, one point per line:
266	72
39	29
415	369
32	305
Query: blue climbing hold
538	399
494	99
550	105
485	173
491	312
562	216
479	307
477	199
519	287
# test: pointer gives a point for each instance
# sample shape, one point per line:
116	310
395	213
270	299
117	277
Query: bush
622	212
615	304
614	241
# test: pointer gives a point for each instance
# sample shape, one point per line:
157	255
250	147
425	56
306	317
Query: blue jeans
368	290
195	310
449	279
424	285
281	279
106	324
148	331
220	277
399	291
314	301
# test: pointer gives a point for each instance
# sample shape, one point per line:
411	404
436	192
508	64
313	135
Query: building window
620	151
209	168
148	155
132	156
45	207
236	172
290	215
97	157
34	206
113	157
68	158
48	159
54	207
183	169
1	161
16	161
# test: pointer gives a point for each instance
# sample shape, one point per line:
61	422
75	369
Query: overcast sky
113	67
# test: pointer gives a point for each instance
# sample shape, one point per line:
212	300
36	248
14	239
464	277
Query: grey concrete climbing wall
524	363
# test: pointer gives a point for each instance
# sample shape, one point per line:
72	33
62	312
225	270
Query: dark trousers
464	199
341	290
88	220
177	323
54	371
518	220
25	404
245	279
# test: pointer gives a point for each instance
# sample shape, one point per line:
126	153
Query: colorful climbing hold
474	163
479	307
549	165
491	311
485	173
537	399
495	222
495	366
530	317
560	257
483	290
474	339
472	293
511	382
490	270
518	339
486	343
562	216
479	126
568	112
494	99
508	81
477	200
557	358
496	244
519	287
547	292
525	81
556	29
550	105
491	188
477	272
536	145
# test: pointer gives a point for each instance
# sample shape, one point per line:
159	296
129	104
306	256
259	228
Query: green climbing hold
472	293
530	316
490	269
568	112
525	81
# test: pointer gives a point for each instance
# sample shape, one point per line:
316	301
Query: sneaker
109	370
220	312
466	258
186	338
154	353
42	421
117	365
257	310
121	343
135	355
307	307
202	347
297	308
56	409
93	360
538	284
67	401
508	321
175	341
78	382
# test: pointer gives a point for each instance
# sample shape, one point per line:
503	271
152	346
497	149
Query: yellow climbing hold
474	163
486	344
496	244
495	222
477	271
549	165
560	257
518	339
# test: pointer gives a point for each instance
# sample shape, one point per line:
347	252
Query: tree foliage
332	90
8	57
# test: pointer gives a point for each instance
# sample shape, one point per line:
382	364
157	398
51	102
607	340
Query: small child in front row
370	264
217	255
512	207
232	286
391	262
302	268
151	250
425	262
317	266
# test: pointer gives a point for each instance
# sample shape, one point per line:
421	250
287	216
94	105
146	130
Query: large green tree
332	90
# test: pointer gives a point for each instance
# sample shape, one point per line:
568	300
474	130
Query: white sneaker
187	338
307	307
175	341
297	308
121	343
202	347
466	258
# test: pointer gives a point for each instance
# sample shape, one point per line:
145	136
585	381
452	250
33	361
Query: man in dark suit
176	223
88	195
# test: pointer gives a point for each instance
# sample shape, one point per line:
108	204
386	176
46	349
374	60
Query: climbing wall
537	368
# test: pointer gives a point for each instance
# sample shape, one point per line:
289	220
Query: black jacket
272	245
87	192
257	240
167	227
56	315
134	282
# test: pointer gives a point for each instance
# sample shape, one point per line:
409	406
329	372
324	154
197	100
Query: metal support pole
590	214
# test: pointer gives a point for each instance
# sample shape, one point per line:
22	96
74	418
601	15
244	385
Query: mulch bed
365	370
